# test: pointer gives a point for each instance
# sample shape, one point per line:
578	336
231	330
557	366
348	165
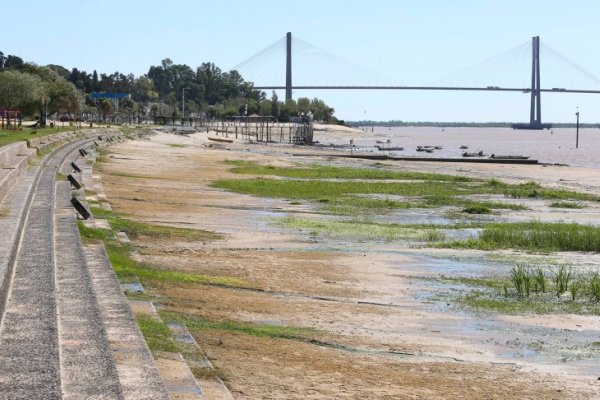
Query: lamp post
183	103
577	130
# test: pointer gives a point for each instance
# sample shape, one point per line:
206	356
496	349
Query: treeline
208	91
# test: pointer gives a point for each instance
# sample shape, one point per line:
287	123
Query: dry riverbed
305	313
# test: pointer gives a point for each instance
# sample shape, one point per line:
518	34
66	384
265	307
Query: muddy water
569	348
548	146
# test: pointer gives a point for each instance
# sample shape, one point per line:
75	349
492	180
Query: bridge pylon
288	67
535	115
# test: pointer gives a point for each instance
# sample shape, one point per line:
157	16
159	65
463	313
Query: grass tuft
157	334
368	230
534	236
565	204
477	209
329	172
258	330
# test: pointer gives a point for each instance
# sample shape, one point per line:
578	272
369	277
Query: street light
183	103
577	130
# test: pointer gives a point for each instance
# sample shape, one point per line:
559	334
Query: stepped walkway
66	330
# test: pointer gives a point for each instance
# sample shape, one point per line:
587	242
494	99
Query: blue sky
412	42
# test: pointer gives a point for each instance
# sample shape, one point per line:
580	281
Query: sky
410	42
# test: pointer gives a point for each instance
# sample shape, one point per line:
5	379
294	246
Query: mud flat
319	298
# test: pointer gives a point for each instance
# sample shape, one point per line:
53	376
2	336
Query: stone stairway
66	331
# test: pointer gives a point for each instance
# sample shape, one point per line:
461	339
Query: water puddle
510	341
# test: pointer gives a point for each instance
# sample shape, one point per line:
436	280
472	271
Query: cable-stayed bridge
293	64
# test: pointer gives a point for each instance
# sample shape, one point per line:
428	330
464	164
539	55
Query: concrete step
138	374
29	355
213	389
12	207
87	365
30	366
9	152
10	175
179	379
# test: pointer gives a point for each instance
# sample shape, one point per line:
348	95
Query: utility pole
577	130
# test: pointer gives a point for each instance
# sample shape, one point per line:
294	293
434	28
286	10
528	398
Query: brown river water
548	146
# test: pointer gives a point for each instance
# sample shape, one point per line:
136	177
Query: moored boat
509	157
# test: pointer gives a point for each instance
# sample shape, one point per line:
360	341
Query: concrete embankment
64	333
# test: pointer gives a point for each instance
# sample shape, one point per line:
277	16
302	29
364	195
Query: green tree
19	90
105	108
58	93
274	105
303	105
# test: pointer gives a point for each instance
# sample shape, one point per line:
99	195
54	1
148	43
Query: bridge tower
288	67
535	115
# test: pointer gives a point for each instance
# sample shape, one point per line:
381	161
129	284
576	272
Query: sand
383	333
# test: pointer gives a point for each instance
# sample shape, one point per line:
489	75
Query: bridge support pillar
535	114
288	67
535	117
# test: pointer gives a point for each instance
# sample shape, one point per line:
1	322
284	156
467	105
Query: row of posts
10	119
264	131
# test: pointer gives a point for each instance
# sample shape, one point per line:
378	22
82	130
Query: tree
60	70
274	105
13	62
19	90
321	111
57	93
95	83
210	77
105	108
143	90
303	105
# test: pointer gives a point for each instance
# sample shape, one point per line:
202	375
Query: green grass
369	230
528	290
157	334
4	212
136	229
10	136
491	283
329	172
208	373
355	205
439	201
535	190
257	330
565	204
477	209
346	197
534	236
316	189
93	235
352	205
61	177
127	269
177	145
480	301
